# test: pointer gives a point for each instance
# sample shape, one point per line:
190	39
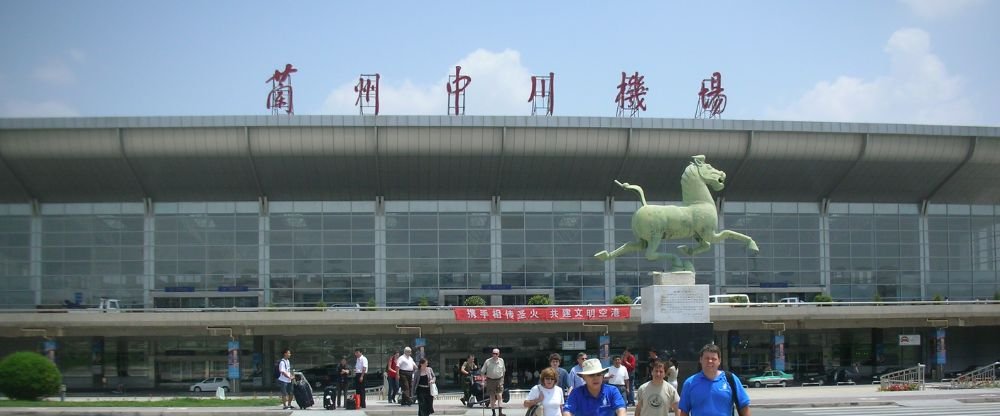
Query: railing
139	309
907	379
981	377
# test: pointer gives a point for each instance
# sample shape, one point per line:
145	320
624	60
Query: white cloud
55	72
500	86
940	9
12	109
918	90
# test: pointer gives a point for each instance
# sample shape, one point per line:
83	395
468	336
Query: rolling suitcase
329	398
303	395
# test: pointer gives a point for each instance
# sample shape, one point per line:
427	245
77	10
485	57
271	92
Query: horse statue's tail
636	188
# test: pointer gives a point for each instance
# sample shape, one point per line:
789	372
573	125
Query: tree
622	300
28	376
539	300
822	297
475	301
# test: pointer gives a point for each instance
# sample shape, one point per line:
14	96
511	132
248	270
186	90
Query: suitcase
303	395
329	398
350	403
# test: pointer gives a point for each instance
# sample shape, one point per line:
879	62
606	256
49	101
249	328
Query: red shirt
393	369
629	363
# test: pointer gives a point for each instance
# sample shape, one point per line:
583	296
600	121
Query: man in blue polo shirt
708	393
594	398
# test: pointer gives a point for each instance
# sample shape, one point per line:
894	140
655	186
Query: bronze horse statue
696	218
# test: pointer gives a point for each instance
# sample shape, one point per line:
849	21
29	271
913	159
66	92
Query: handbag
434	389
534	410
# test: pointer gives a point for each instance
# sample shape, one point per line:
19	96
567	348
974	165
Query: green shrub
423	302
937	298
539	300
822	297
621	300
996	296
475	301
321	305
28	376
370	306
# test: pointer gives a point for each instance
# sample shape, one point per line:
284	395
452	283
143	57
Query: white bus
736	299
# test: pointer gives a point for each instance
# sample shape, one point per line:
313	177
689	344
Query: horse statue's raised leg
726	234
702	247
628	247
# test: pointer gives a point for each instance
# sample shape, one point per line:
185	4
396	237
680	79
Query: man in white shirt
617	375
406	368
360	369
494	370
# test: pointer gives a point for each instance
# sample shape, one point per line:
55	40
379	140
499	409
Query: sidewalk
448	404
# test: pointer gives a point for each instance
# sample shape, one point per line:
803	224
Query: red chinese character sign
280	97
631	96
711	100
456	94
527	313
365	91
542	93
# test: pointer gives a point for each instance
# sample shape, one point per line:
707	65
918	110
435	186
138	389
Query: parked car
959	373
210	384
637	301
843	375
791	301
771	378
319	377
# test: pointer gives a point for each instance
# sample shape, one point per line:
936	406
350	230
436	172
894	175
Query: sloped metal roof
471	157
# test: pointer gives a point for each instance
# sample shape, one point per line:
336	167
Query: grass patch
185	402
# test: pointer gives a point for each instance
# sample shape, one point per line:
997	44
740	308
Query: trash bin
220	393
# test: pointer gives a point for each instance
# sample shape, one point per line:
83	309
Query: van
731	298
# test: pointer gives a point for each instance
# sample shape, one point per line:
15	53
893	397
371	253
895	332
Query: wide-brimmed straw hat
591	366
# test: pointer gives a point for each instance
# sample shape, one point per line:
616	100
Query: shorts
494	386
285	387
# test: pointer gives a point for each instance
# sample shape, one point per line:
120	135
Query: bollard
62	392
220	393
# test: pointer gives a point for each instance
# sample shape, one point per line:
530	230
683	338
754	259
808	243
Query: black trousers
405	384
359	389
341	393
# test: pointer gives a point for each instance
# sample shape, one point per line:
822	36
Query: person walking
629	361
392	372
711	392
574	379
672	372
562	376
495	371
466	370
425	379
285	378
656	397
548	394
595	398
617	375
344	371
406	368
360	369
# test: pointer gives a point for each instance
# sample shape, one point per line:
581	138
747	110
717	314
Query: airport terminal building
183	217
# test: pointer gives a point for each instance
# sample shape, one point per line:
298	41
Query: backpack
277	369
732	387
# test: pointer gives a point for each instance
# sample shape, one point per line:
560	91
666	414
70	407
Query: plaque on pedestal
675	303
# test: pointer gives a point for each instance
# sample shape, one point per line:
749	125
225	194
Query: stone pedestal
675	318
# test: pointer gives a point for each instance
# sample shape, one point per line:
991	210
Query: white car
791	301
210	384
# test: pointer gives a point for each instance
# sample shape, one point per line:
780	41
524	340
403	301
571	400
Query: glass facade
304	253
550	245
433	245
322	252
90	251
15	257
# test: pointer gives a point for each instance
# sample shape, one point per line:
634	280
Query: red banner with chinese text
555	313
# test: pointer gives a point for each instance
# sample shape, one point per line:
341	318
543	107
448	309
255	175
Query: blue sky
915	61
